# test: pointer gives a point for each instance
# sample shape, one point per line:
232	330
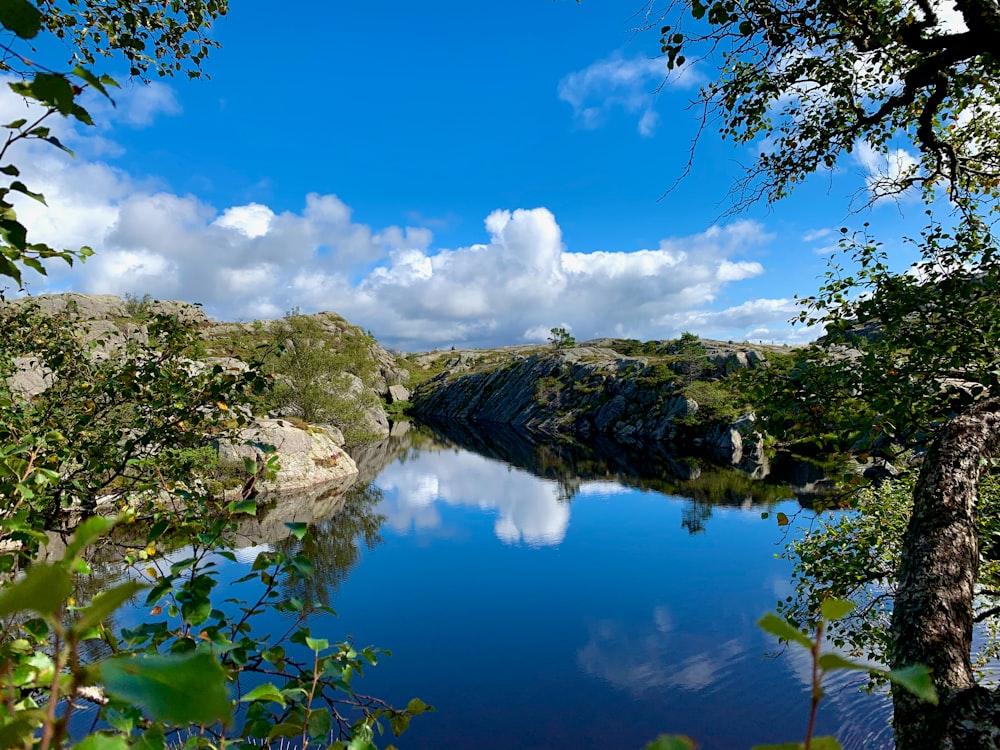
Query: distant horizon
441	348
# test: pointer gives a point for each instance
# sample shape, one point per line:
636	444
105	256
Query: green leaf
103	742
249	507
285	729
21	728
831	662
20	187
105	603
50	89
181	689
417	707
317	644
152	739
196	612
86	534
834	609
320	723
265	692
672	742
21	17
98	83
916	679
825	743
298	529
771	623
43	590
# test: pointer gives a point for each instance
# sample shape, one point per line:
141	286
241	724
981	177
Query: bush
321	377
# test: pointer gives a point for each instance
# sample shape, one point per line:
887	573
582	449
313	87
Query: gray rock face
30	378
587	392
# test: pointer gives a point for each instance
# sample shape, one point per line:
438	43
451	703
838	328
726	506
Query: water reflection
526	509
496	468
657	655
570	462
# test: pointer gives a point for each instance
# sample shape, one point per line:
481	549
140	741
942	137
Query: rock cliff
669	399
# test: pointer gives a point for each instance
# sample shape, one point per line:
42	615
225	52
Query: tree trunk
933	614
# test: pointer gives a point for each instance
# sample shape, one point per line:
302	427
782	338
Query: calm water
572	612
550	597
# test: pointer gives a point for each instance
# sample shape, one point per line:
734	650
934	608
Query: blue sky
440	173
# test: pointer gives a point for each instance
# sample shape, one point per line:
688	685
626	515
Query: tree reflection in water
334	544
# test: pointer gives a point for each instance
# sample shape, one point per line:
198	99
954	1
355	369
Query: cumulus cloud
620	83
140	104
248	261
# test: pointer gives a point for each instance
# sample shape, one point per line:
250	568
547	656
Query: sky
442	174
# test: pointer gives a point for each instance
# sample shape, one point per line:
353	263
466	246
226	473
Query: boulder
398	393
308	457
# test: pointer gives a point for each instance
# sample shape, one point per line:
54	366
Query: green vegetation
856	555
925	371
320	376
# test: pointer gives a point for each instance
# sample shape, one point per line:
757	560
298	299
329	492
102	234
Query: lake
556	596
544	598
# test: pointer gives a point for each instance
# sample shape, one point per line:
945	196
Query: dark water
545	596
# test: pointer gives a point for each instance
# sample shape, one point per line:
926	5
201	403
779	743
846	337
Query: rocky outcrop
308	456
592	391
108	323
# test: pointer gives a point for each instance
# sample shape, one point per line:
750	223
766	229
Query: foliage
319	376
810	79
172	673
718	402
155	37
911	377
560	338
691	362
123	416
831	610
131	421
138	308
855	554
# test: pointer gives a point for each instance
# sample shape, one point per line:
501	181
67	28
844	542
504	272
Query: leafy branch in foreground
171	675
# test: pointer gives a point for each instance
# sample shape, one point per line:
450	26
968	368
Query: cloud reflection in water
529	509
655	655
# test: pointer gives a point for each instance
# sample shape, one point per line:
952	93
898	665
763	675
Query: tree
319	376
135	428
813	78
810	80
560	338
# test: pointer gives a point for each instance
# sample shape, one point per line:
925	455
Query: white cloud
140	104
816	234
886	172
247	261
628	84
251	220
656	655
